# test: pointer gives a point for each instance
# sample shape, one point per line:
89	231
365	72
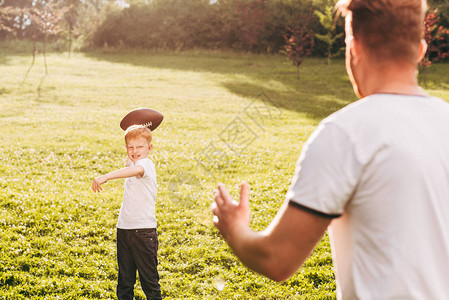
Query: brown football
142	116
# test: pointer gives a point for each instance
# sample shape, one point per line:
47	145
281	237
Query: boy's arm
122	173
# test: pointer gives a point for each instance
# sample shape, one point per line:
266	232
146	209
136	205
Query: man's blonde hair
390	29
135	131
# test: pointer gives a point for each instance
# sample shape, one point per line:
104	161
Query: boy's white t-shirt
139	199
382	165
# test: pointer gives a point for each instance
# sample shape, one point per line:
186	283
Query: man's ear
353	47
422	50
349	41
151	147
356	48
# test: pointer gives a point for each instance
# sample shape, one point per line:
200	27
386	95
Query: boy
137	241
377	171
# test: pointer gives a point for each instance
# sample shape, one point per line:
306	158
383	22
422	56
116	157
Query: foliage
254	25
14	17
7	14
25	47
251	25
158	26
300	42
251	15
80	19
38	19
437	39
443	7
70	18
45	20
330	38
90	15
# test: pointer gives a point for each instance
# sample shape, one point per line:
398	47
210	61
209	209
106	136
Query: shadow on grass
322	89
312	106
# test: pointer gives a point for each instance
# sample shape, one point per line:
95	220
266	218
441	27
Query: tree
45	20
327	21
15	18
6	16
442	6
437	39
252	20
71	17
300	42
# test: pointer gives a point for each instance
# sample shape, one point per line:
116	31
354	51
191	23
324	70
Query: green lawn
57	238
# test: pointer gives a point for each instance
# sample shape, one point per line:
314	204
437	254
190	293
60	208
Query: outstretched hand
96	184
230	216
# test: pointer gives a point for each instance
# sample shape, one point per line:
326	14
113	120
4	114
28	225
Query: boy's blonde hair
390	29
135	131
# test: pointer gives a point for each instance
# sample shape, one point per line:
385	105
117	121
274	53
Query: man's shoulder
357	109
379	109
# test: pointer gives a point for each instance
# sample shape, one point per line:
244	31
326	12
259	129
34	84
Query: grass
58	237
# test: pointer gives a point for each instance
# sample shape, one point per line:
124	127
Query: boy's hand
96	184
122	173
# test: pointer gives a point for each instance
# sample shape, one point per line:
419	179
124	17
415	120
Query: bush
167	26
26	46
197	24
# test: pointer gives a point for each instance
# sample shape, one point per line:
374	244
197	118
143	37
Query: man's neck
392	79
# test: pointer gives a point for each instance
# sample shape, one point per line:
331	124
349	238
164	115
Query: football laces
148	124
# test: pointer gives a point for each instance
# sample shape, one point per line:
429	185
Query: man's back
393	239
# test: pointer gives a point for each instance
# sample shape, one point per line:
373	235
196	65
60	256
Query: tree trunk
251	54
44	51
20	29
45	54
32	62
70	38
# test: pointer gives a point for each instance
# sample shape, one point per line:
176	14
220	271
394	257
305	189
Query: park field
225	121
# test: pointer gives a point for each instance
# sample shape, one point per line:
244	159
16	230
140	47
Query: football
142	116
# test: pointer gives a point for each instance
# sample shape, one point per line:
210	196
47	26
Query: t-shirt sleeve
149	169
326	173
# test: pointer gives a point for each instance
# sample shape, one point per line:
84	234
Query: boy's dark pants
137	250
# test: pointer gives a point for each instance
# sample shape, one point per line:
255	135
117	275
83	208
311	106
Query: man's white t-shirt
139	199
380	166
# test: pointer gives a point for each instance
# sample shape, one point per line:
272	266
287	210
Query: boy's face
137	148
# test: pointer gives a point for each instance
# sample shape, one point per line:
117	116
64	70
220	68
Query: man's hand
96	184
277	251
230	216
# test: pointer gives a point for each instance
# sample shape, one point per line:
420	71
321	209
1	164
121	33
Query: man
376	171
